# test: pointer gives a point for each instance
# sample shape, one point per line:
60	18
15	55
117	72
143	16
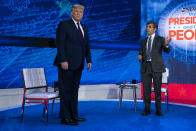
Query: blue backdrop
109	65
115	29
111	20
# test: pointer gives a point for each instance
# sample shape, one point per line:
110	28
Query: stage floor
103	115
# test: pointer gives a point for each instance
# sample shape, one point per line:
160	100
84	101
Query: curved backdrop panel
109	65
111	20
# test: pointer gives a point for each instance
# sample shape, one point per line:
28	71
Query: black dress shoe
145	113
159	113
79	119
69	122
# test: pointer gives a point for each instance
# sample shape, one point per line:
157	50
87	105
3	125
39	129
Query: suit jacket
156	54
70	47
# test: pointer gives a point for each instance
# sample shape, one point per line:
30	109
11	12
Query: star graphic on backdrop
99	24
182	92
65	7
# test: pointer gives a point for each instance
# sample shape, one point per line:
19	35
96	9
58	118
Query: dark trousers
147	77
69	81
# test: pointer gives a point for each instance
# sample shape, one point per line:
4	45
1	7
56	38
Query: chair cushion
47	95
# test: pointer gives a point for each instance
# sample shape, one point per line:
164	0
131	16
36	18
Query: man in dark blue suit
72	43
152	65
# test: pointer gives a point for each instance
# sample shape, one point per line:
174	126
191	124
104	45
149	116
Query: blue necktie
149	49
80	31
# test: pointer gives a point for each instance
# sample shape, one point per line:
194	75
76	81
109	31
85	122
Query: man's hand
64	65
89	65
139	57
167	41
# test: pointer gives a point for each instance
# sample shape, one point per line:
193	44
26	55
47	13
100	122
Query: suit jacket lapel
73	26
145	43
84	29
75	29
154	43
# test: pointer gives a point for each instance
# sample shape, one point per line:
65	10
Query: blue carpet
103	115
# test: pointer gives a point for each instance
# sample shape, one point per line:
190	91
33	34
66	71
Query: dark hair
155	25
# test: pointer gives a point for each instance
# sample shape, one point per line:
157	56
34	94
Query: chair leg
120	97
53	105
43	115
165	97
135	98
167	100
22	112
46	111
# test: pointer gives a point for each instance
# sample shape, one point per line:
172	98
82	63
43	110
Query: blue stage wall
115	29
107	20
109	65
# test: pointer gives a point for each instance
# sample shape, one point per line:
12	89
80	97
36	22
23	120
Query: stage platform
103	116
